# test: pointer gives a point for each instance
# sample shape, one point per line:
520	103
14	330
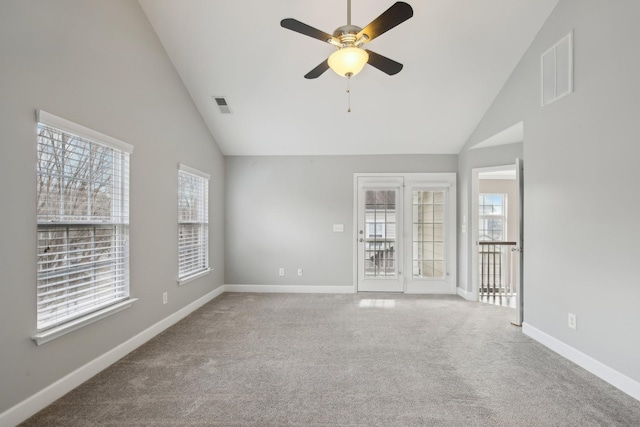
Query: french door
380	232
405	233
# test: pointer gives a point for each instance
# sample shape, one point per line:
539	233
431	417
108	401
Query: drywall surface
280	212
98	64
581	156
500	155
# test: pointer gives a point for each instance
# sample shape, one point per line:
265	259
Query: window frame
118	220
202	221
502	217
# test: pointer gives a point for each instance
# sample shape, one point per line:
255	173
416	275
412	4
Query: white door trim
475	214
434	180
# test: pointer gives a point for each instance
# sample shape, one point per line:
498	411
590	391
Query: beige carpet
343	360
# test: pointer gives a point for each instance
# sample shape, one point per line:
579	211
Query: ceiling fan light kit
348	61
350	39
350	58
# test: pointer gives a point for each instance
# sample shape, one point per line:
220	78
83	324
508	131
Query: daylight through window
193	222
83	222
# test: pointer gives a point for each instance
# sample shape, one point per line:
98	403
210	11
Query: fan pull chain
348	94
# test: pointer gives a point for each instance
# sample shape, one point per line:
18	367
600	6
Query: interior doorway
497	234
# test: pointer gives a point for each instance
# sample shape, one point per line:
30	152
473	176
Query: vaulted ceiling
457	55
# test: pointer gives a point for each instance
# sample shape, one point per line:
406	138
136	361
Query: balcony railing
497	280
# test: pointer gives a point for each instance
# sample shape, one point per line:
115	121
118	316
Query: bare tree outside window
193	223
82	211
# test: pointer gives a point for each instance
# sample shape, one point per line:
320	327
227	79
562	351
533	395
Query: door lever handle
361	240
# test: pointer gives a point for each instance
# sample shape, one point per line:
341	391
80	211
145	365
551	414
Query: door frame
378	182
516	166
432	180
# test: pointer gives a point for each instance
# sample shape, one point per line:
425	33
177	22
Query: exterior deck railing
497	279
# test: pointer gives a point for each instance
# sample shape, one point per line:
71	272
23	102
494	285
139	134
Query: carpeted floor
343	360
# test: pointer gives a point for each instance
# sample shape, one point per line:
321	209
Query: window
428	234
83	221
493	215
193	223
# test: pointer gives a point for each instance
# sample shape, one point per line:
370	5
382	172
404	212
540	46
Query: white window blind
83	218
193	222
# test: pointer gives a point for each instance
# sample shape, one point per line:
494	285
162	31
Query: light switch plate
338	228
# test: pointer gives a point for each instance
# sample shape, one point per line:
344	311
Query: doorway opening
497	233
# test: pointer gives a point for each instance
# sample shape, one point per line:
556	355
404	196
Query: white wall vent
557	70
222	103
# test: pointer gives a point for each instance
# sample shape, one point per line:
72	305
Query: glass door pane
428	235
380	233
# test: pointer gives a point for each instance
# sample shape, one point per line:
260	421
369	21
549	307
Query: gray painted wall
280	212
100	65
468	160
581	165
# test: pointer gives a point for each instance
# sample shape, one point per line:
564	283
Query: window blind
83	217
193	222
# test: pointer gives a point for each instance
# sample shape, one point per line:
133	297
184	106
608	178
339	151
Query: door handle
361	240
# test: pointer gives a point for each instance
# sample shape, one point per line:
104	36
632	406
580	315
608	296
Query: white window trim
58	331
184	280
81	131
198	275
192	171
70	127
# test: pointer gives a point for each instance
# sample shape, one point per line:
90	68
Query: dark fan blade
317	72
395	15
383	63
302	28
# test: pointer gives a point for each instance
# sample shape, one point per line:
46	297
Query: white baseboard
48	395
292	289
599	369
469	296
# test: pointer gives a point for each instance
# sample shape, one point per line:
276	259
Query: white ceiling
457	55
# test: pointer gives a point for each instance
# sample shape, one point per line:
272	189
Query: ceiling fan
350	57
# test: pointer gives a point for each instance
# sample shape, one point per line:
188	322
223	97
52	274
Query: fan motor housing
347	34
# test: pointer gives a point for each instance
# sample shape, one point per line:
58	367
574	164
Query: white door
430	237
380	234
518	249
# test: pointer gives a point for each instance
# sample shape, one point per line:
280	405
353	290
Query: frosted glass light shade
348	61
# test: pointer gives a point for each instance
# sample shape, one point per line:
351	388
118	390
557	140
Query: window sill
187	279
53	333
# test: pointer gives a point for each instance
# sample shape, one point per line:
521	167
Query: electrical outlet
281	272
299	272
165	297
572	322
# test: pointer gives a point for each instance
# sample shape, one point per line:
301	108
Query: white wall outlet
572	322
299	272
338	228
165	297
281	271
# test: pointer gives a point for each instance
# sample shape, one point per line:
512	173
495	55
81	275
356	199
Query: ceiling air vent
221	101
